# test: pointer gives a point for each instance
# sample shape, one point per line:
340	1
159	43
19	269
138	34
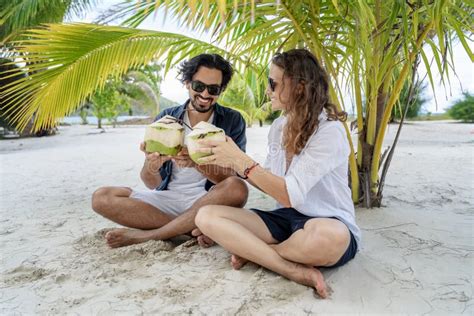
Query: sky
172	89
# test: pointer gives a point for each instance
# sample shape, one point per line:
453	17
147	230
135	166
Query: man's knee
100	198
238	189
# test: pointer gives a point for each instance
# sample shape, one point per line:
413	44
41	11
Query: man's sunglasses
212	89
272	84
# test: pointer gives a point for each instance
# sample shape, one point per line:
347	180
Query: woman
305	172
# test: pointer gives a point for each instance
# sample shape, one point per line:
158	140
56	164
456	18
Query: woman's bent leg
243	233
321	242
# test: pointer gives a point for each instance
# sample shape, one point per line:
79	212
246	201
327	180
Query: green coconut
164	136
202	131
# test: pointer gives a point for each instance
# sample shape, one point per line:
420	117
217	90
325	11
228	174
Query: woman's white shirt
317	178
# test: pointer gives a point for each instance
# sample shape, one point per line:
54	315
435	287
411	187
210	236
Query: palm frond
17	15
366	45
66	63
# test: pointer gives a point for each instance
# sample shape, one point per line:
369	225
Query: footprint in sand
25	274
94	247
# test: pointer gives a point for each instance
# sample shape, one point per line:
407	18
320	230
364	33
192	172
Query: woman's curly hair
309	95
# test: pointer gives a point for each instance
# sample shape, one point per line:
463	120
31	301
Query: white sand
417	255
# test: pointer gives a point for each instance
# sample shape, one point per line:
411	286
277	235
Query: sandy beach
417	255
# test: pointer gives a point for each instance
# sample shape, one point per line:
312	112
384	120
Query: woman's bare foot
314	278
306	275
237	262
121	237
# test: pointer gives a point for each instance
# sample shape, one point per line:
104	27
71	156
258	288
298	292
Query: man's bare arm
150	173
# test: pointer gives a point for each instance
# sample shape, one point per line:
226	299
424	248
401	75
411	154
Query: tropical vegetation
463	109
249	101
410	103
108	102
136	91
368	47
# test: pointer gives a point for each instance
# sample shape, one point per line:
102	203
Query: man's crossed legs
147	222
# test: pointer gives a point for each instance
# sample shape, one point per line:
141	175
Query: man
178	186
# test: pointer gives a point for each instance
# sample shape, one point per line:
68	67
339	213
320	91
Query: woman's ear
300	88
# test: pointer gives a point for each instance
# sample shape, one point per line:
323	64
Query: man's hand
183	160
153	161
202	239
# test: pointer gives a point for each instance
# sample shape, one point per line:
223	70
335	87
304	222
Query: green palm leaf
68	62
16	15
362	44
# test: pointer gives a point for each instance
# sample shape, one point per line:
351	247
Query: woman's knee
205	216
325	244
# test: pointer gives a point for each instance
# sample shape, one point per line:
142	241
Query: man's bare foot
121	237
202	239
205	241
237	262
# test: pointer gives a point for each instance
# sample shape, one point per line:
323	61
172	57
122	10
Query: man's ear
187	84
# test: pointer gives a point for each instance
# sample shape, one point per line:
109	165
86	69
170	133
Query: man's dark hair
188	68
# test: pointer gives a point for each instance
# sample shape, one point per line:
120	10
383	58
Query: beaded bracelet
247	171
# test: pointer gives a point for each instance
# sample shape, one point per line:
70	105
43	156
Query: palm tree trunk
391	102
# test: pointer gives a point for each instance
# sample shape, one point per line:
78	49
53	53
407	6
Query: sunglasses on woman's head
272	84
212	89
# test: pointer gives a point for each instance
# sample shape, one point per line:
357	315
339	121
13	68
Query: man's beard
199	108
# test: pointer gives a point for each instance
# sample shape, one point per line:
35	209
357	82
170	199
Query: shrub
463	109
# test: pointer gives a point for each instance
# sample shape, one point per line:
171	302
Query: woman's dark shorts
283	222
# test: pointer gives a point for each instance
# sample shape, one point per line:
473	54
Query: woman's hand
183	160
224	154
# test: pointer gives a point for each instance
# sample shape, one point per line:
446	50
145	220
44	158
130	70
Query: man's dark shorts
283	222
